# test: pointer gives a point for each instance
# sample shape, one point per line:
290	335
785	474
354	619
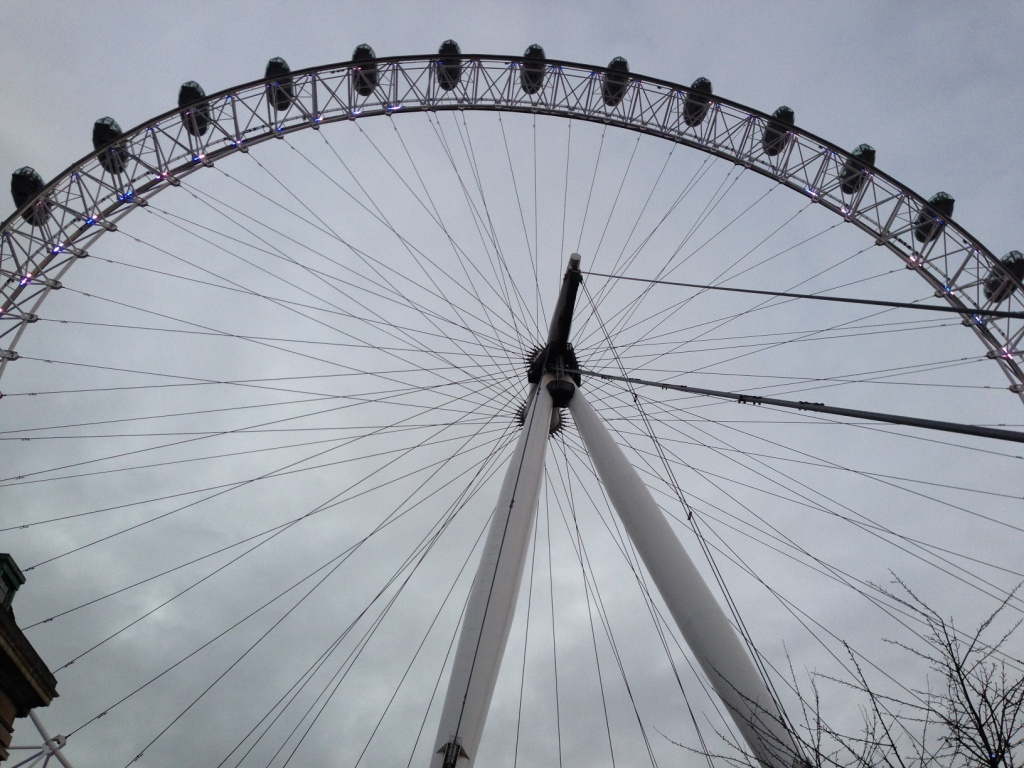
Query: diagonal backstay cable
803	405
975	311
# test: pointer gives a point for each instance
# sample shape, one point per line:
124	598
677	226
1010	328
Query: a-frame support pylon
488	618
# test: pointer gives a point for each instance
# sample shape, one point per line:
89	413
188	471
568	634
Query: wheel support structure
495	589
492	598
702	622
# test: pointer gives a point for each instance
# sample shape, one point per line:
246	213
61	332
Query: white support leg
700	619
493	595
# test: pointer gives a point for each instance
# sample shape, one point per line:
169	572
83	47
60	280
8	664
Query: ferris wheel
398	412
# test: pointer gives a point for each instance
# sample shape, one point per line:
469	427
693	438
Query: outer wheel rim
162	151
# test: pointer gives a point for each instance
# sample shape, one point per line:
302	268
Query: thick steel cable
969	311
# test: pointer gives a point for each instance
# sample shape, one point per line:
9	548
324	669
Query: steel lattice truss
88	198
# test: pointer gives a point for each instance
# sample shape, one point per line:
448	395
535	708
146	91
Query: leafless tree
969	714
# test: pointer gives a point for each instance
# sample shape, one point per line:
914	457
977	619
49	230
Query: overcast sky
934	87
